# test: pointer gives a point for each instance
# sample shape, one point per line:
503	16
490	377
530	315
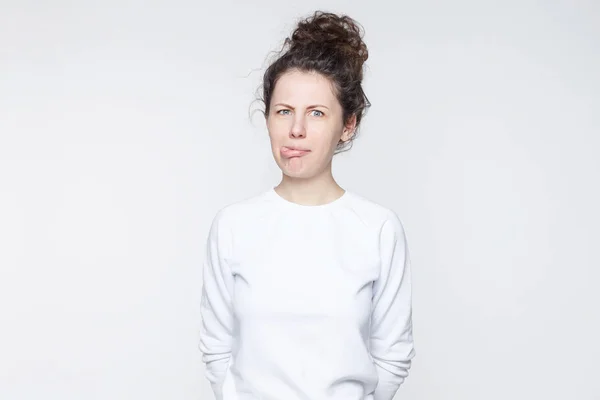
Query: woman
307	286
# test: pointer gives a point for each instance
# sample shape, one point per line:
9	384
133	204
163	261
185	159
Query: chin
302	173
297	175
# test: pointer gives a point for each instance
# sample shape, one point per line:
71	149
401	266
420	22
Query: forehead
304	87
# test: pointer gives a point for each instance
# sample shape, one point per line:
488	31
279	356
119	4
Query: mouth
292	151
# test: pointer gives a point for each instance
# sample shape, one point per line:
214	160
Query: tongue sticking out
288	153
294	159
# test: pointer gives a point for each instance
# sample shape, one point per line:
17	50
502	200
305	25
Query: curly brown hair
333	46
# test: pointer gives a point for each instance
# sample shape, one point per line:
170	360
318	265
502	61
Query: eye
283	112
318	113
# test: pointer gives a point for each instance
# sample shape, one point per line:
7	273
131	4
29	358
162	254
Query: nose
298	129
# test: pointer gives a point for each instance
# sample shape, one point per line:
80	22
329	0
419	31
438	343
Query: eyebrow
311	106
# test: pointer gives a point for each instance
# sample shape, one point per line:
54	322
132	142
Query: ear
349	129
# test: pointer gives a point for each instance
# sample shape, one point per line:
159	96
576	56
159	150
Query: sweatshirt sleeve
216	306
391	340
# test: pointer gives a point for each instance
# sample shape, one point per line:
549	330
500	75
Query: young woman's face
305	124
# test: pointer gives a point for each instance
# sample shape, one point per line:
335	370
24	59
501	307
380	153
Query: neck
321	189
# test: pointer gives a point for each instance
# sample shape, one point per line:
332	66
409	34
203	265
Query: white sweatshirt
306	302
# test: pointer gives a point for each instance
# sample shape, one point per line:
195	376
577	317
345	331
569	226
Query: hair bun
331	32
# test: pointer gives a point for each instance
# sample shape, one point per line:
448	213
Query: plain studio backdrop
126	125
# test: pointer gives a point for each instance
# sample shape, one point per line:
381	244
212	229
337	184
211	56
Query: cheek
327	137
277	130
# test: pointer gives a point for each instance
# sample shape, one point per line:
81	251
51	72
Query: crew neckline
288	203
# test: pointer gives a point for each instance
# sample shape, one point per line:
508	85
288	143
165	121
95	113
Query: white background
125	126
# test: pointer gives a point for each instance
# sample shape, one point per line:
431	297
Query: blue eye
282	111
320	113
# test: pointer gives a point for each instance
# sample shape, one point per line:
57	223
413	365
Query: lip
293	151
295	148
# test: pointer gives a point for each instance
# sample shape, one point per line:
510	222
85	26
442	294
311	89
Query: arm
391	338
216	307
